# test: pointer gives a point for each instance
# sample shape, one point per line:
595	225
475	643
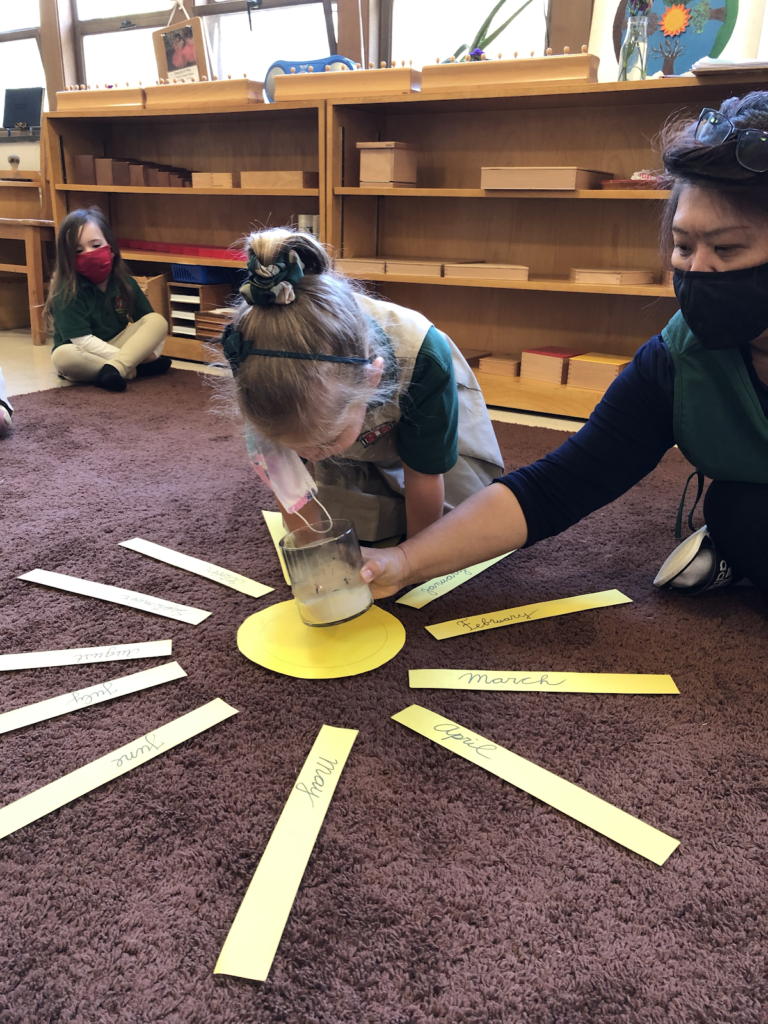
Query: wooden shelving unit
606	126
255	137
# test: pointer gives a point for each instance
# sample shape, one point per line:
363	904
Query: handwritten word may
482	680
453	732
140	751
325	766
485	622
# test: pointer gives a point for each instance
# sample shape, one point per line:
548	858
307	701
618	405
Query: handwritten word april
453	732
448	579
131	755
102	692
482	680
111	654
325	766
484	622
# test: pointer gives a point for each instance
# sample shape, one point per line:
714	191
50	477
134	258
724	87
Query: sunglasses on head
751	145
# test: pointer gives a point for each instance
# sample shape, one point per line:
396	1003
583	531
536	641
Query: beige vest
366	482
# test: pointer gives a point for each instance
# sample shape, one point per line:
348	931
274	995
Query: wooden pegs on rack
515	53
370	65
566	49
293	71
453	60
499	57
583	49
327	67
549	51
383	64
229	76
533	53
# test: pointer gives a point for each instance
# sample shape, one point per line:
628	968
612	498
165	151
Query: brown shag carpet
436	892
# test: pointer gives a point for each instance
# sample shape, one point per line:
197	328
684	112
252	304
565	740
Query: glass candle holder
324	566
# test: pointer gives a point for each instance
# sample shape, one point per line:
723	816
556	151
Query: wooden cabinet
447	216
257	137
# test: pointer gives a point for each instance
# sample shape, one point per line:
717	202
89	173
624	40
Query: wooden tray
195	96
567	67
339	85
100	99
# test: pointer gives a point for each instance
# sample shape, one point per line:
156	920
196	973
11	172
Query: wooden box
540	178
361	265
156	290
198	95
137	174
415	268
474	355
85	169
486	271
279	179
595	371
111	172
99	99
215	179
14	301
21	199
501	366
158	177
569	67
548	364
340	85
611	276
383	163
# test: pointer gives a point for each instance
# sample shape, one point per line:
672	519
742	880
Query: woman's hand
385	570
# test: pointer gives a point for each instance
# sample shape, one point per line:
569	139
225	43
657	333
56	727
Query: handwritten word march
539	682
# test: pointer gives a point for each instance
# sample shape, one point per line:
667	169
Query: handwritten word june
109	654
490	620
325	766
453	732
149	744
482	680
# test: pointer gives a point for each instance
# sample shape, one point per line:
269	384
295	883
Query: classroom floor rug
436	892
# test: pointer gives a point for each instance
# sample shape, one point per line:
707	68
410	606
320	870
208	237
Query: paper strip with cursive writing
564	796
526	613
540	682
277	531
19	718
64	790
86	655
255	934
130	598
196	565
422	595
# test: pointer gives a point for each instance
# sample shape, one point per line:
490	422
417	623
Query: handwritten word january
102	692
453	732
448	579
110	654
132	755
325	766
484	623
482	680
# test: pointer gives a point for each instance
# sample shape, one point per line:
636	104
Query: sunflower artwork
680	32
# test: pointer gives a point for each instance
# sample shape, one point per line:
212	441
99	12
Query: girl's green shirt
93	311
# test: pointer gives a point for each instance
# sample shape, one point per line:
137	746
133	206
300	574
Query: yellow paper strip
130	598
206	569
527	613
564	796
19	718
539	682
420	596
81	781
255	934
86	655
277	531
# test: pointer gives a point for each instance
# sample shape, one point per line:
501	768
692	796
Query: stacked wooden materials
611	276
595	371
95	170
387	164
209	325
501	366
533	179
548	364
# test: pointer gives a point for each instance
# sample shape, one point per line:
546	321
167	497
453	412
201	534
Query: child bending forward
380	404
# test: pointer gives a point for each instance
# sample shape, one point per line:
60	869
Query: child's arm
424	497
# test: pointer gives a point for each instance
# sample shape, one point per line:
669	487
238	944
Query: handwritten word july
482	680
325	766
102	692
131	755
484	622
452	732
110	654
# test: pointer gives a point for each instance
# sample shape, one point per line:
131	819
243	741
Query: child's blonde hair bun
268	246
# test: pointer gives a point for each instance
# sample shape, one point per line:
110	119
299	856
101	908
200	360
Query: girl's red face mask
96	264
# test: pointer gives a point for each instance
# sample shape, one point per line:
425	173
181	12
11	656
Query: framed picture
181	51
679	33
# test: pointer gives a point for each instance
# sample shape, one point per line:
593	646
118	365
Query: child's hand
385	570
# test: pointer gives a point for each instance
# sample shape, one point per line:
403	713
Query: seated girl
105	330
701	384
380	404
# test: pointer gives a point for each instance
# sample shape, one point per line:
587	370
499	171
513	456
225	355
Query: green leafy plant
474	50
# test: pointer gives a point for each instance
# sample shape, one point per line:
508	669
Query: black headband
317	356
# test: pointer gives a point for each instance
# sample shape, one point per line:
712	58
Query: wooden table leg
34	256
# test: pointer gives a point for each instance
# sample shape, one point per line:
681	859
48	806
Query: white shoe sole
681	558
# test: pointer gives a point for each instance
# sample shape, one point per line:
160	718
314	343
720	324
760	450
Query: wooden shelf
193	349
147	190
535	396
481	193
533	285
13	268
152	256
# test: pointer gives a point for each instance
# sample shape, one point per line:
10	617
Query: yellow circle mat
277	639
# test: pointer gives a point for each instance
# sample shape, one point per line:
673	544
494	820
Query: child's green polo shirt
93	311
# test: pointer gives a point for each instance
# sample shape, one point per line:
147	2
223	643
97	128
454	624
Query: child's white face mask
281	469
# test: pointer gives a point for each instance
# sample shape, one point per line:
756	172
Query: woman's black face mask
727	309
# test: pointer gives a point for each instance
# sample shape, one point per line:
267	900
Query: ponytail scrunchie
272	285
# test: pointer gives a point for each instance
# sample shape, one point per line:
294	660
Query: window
423	30
20	68
87	9
15	15
120	57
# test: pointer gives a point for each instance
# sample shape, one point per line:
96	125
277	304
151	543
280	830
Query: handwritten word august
485	622
482	680
452	732
102	692
132	755
109	654
325	766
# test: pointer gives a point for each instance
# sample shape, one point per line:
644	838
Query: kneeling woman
702	384
382	406
105	331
